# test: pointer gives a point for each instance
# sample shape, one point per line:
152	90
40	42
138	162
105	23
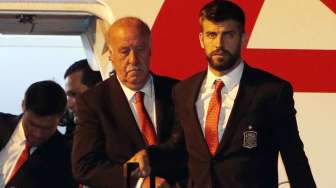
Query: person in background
79	77
33	154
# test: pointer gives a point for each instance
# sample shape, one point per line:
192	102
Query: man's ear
109	49
200	36
244	39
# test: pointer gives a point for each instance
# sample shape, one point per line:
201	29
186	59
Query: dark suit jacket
107	134
49	165
264	112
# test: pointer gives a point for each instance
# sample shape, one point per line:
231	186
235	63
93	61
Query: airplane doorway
29	58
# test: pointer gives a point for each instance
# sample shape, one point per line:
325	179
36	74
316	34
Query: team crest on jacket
250	139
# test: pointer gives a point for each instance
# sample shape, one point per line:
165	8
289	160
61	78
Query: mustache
220	52
139	67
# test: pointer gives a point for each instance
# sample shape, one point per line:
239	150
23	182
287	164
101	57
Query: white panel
317	125
147	10
49	1
299	24
27	59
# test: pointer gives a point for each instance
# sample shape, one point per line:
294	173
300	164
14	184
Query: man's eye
124	51
140	48
71	94
229	35
211	35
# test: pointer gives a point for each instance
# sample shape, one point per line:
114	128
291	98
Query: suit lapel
121	112
160	107
191	111
244	97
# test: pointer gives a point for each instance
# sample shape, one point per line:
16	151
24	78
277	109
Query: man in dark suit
233	119
130	110
79	77
33	153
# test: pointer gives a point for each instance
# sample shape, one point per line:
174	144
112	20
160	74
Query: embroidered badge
250	138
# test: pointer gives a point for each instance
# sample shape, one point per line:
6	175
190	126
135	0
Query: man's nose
219	43
132	58
71	103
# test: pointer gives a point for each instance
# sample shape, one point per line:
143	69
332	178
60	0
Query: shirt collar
230	79
19	136
147	89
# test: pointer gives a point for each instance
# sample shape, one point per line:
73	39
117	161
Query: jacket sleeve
91	166
171	155
289	142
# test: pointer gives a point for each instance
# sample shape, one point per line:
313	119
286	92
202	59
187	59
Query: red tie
212	118
146	124
22	159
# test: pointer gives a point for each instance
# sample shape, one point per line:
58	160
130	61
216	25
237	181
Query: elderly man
127	112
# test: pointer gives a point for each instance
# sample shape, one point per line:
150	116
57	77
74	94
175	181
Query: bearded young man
233	119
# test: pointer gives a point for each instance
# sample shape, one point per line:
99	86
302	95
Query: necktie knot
218	85
139	96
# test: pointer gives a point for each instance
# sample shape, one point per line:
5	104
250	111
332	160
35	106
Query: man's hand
142	159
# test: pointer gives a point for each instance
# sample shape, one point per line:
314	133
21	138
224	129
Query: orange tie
22	159
146	125
212	118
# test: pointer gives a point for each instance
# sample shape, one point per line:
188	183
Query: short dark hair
89	77
45	98
222	10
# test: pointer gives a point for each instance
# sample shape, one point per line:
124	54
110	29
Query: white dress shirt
229	92
10	154
149	102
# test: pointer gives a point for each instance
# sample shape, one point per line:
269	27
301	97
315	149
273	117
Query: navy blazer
262	123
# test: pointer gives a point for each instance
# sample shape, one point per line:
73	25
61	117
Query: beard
225	60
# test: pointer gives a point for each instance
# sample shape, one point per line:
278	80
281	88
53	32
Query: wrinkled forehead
129	25
128	33
128	36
